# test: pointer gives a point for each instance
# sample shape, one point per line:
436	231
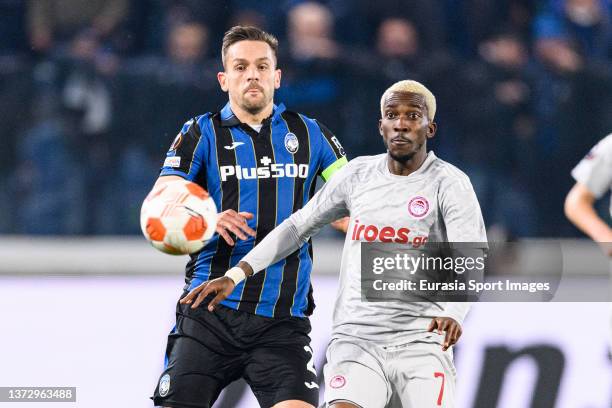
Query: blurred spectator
249	17
573	106
397	38
269	15
497	130
310	32
48	182
311	65
56	21
588	22
84	85
159	90
396	56
157	95
470	22
399	54
427	16
156	18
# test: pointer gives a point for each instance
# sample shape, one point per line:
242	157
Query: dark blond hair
247	33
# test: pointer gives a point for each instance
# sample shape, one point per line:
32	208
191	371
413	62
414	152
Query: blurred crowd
93	92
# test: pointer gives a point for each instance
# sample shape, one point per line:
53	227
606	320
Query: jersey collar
229	119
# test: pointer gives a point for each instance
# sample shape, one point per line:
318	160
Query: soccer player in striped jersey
259	162
383	353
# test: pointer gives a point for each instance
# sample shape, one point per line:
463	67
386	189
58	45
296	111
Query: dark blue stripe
284	209
303	282
213	178
303	279
247	201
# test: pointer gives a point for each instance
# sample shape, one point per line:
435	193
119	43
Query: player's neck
249	118
407	167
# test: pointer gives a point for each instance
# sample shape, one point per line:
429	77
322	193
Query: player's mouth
399	141
254	90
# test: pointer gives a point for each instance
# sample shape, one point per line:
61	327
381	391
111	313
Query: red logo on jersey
337	381
418	207
372	233
384	234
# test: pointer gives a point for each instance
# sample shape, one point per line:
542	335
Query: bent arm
580	211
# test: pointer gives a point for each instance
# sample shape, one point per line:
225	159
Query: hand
448	325
222	286
234	222
606	247
341	224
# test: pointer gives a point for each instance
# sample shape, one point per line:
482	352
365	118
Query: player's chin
401	155
255	103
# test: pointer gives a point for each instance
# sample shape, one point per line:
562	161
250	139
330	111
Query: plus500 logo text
268	170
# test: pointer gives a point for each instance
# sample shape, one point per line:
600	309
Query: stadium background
93	92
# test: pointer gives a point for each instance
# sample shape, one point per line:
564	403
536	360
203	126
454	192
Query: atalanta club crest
164	385
418	207
291	143
337	381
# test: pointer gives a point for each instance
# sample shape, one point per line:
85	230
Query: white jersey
595	170
436	202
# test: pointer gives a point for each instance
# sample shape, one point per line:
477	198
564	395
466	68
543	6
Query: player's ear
380	127
222	78
431	129
277	78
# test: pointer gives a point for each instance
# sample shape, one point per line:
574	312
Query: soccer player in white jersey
593	177
391	353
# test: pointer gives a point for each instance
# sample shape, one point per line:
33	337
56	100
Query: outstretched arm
328	204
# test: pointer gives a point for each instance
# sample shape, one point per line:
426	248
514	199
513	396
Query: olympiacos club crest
337	381
418	207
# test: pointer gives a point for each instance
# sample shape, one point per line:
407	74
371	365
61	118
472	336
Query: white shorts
413	375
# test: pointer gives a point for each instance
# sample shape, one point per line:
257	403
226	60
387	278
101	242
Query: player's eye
263	67
239	67
390	115
414	115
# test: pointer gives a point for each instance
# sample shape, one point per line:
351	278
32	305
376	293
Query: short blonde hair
415	87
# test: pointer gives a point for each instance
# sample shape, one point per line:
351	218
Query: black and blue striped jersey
270	173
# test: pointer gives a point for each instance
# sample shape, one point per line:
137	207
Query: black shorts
207	351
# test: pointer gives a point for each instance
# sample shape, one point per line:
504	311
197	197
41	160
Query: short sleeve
333	156
595	170
186	154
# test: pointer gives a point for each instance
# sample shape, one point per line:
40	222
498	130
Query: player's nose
253	74
400	125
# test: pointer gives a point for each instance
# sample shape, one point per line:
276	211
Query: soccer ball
178	217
